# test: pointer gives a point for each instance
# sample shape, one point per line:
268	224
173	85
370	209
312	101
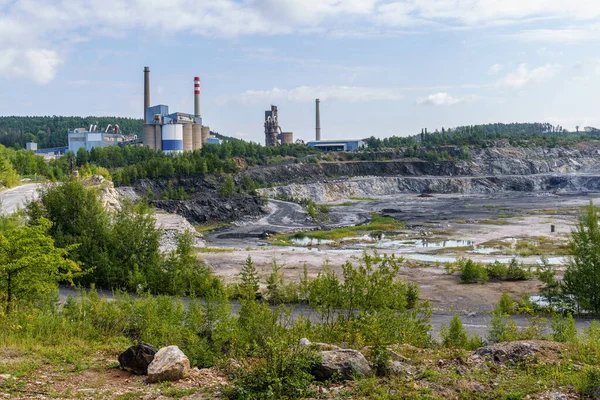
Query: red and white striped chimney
197	97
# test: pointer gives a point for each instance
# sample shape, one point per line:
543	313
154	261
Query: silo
172	138
158	136
149	136
287	137
197	136
205	134
187	137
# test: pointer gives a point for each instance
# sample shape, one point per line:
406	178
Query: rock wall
335	190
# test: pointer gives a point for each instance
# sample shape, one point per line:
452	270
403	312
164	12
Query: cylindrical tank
149	136
287	137
172	138
158	136
205	134
187	137
197	136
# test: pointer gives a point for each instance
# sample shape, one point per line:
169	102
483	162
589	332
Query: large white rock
169	364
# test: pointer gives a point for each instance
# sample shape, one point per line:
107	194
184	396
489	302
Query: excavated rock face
137	358
169	364
109	196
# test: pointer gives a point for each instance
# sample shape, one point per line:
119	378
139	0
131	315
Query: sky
380	67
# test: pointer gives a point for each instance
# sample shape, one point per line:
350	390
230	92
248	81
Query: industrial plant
176	132
332	145
273	132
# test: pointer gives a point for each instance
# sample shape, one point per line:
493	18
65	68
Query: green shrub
472	272
589	385
456	335
506	305
516	271
502	328
564	329
497	270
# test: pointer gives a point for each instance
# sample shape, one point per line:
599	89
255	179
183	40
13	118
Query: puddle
324	250
307	241
484	250
418	243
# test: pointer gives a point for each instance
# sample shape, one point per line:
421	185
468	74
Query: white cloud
444	99
310	93
494	69
39	65
570	34
524	76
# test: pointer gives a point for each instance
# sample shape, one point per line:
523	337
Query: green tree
582	275
456	335
30	265
227	187
83	156
506	305
249	280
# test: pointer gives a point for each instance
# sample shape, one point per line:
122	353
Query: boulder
508	351
169	364
400	368
343	363
137	358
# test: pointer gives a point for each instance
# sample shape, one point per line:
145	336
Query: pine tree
582	276
249	279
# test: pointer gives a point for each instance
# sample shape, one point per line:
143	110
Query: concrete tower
146	91
197	97
318	119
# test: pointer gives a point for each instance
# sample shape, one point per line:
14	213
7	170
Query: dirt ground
474	218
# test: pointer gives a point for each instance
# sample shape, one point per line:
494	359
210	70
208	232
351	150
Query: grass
363	198
378	223
530	246
215	250
203	229
493	222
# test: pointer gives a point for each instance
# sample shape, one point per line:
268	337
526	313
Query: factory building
273	133
92	137
331	145
173	132
337	145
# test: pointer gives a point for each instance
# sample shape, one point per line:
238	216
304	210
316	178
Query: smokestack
197	97
146	91
318	122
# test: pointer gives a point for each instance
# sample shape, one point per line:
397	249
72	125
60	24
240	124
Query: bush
502	328
564	329
497	270
456	335
506	305
590	383
472	272
516	272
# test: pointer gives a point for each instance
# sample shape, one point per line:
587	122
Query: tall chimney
146	91
318	124
197	97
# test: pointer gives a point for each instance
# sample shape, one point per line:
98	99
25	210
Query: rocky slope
488	171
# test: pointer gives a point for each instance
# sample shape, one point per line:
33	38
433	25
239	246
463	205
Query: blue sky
380	67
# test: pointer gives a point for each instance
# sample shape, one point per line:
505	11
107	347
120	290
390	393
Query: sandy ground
443	217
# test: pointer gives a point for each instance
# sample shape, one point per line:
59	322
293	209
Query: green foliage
564	329
30	265
588	345
472	272
502	328
8	175
249	280
590	383
506	305
454	336
582	275
227	187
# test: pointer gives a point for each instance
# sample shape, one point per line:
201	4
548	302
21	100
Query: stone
169	364
137	358
400	368
345	364
508	351
304	342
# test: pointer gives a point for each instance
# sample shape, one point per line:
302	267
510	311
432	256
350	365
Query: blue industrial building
337	145
90	139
